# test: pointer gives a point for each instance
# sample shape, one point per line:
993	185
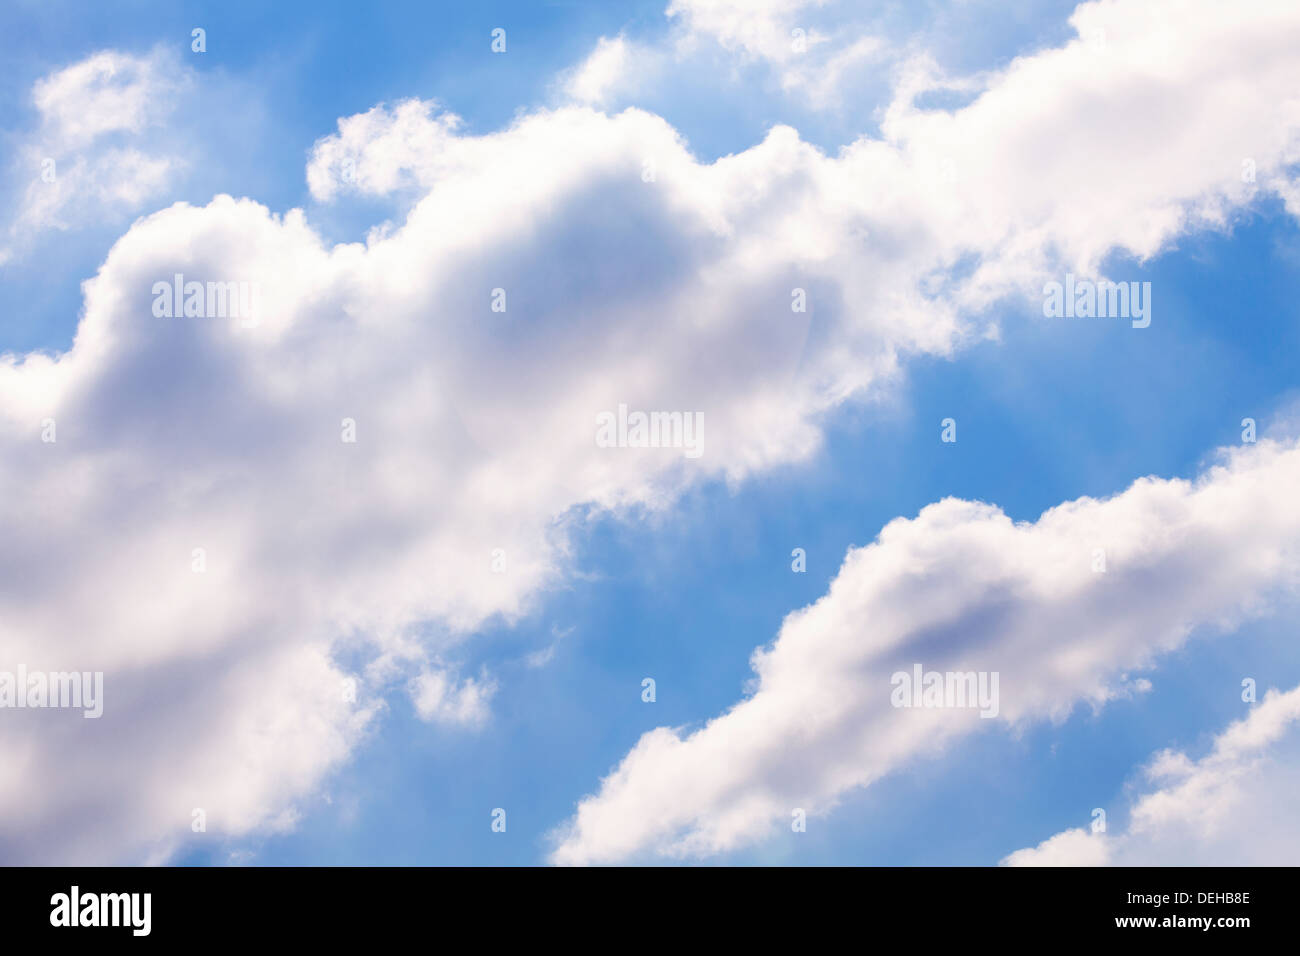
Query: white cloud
756	27
79	164
814	59
475	428
82	188
1076	847
960	588
805	59
602	73
381	151
439	699
240	733
107	92
1233	807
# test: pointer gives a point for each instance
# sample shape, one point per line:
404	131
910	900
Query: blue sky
683	590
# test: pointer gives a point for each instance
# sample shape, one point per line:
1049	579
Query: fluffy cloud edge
1059	609
1195	817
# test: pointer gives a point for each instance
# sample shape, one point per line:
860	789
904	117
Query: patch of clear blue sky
1058	409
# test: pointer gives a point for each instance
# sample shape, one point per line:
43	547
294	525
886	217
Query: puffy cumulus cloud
1145	75
1233	807
81	163
627	273
381	151
963	589
603	73
238	733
